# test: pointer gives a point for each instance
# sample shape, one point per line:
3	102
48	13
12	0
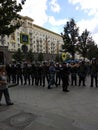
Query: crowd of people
47	74
41	74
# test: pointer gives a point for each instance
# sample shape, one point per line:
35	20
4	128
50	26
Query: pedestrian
13	72
45	73
9	72
82	72
73	71
3	86
52	71
58	75
93	72
25	73
65	77
33	73
19	73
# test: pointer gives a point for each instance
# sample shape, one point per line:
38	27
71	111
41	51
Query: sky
53	14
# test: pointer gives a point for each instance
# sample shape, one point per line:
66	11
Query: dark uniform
13	73
33	72
39	69
82	72
93	72
45	74
9	72
73	71
52	75
25	73
19	73
58	74
65	77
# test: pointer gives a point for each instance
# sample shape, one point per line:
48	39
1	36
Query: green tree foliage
40	57
18	56
9	17
69	36
30	56
93	52
85	43
58	58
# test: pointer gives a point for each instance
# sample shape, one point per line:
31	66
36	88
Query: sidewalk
37	108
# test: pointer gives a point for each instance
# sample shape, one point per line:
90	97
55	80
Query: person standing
33	73
65	77
19	73
45	73
13	72
93	72
3	86
25	73
52	71
73	71
82	72
58	76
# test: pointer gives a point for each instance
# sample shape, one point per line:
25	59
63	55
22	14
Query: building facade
37	38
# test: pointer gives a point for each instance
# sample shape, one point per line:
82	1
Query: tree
58	58
40	57
93	52
70	36
18	56
9	17
85	43
30	56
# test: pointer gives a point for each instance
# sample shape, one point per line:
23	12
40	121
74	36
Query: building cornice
28	18
42	28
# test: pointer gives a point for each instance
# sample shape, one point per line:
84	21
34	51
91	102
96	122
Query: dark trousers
19	78
73	79
92	80
33	78
52	81
45	78
58	79
81	80
65	84
13	78
6	95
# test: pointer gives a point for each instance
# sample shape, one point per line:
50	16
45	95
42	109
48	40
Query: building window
18	45
18	39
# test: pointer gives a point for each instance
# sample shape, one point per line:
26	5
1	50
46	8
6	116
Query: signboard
24	38
63	56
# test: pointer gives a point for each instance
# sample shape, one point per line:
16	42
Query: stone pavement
37	108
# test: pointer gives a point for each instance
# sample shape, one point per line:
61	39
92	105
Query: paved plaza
38	108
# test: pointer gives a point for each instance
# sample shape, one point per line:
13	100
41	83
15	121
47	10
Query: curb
12	85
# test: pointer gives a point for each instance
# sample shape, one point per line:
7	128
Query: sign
63	56
24	38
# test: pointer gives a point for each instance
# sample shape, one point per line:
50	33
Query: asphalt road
38	108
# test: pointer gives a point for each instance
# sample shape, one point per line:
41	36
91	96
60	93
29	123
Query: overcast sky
53	14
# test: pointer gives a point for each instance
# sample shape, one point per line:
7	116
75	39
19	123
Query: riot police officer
65	77
93	72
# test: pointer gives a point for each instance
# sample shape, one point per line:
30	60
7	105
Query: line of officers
63	74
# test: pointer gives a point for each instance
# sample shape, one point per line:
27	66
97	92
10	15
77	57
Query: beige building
37	38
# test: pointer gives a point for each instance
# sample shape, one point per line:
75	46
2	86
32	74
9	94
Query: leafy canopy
9	17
